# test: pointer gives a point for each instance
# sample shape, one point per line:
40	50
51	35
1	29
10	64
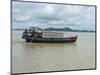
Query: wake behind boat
38	35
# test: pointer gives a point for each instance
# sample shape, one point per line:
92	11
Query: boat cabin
33	32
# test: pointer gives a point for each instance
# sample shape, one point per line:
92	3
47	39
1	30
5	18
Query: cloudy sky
27	14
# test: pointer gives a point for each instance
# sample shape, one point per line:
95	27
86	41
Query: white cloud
72	9
57	22
48	10
53	14
16	10
21	17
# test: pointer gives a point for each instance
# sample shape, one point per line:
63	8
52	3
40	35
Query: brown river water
41	57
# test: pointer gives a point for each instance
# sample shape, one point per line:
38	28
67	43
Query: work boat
37	35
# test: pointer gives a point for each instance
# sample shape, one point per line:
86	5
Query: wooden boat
51	37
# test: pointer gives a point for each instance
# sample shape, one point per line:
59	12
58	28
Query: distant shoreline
58	30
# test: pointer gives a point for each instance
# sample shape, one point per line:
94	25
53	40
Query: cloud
53	15
22	18
16	10
48	10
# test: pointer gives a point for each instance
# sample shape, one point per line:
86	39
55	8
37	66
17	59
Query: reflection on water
47	45
37	57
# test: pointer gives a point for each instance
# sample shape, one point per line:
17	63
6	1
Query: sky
43	15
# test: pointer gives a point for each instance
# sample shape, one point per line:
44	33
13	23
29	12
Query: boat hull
52	40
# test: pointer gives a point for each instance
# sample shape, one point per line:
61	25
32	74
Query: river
40	57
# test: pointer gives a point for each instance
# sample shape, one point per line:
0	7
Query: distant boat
37	35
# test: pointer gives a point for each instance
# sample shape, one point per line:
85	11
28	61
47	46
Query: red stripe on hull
60	41
71	40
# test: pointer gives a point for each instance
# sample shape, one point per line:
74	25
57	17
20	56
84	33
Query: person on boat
25	32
